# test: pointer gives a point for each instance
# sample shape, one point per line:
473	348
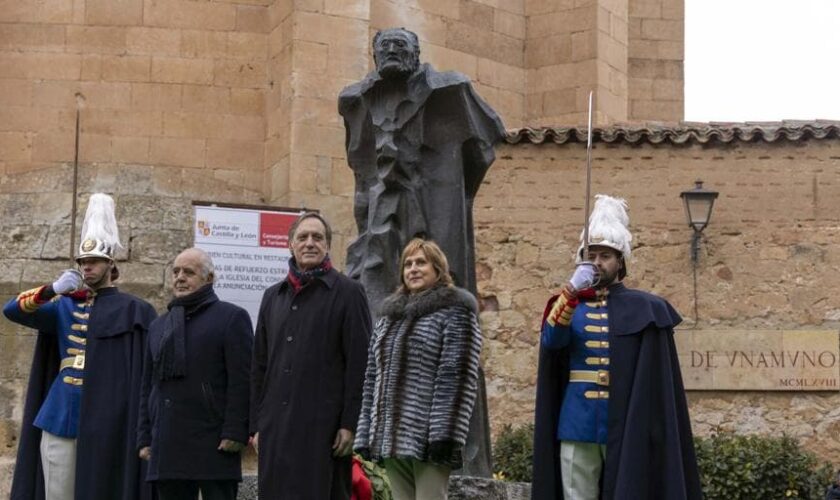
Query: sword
80	101
585	255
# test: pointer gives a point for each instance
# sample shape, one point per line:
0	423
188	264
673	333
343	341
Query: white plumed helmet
100	236
608	226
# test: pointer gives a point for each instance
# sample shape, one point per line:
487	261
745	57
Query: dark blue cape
107	465
650	452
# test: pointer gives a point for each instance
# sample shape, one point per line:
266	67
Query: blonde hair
435	256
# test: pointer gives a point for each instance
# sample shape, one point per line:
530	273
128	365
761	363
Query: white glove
584	276
69	281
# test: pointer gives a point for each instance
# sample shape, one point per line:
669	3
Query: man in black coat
193	420
611	414
310	354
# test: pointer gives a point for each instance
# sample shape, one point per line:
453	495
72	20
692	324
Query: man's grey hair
207	268
311	215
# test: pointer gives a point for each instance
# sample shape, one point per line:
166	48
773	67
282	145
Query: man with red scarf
310	353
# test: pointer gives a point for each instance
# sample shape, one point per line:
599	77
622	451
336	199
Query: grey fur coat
421	377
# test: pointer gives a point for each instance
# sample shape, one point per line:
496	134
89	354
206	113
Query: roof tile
683	132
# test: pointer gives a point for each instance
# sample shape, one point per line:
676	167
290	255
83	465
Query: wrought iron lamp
698	210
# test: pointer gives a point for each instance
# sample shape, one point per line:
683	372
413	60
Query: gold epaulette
30	300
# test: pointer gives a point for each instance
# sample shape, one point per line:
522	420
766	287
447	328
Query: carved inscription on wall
760	360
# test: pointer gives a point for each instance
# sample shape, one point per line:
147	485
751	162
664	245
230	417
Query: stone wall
655	64
572	48
316	48
165	83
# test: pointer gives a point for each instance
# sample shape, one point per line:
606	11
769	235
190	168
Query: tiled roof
683	132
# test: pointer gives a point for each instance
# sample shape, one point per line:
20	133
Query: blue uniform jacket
107	465
66	318
583	412
650	452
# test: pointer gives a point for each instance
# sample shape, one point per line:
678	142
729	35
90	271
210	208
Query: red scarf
299	279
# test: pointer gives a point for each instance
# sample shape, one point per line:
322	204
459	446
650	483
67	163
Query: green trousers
580	466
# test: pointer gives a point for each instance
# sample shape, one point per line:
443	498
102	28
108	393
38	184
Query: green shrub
512	453
759	467
731	467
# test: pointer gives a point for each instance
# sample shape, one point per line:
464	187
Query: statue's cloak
417	169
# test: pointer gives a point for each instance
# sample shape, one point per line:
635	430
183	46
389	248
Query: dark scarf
169	357
299	279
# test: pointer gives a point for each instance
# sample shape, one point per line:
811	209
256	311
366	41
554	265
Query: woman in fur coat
421	377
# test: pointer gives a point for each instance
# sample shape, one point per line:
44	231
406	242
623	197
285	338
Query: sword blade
585	255
75	188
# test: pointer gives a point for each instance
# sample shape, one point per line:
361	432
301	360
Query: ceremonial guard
611	415
77	439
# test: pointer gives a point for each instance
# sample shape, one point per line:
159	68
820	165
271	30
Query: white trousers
580	466
416	480
58	459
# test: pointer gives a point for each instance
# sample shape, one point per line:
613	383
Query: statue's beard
400	70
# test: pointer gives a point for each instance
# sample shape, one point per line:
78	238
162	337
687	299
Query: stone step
460	488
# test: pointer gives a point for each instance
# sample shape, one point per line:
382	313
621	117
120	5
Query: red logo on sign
274	229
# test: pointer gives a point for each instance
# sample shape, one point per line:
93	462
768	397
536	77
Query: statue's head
396	52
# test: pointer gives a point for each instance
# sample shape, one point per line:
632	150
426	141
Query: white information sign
249	248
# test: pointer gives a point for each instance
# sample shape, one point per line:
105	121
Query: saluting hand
585	275
69	281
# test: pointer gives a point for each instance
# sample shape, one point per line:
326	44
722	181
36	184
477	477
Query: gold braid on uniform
562	310
31	300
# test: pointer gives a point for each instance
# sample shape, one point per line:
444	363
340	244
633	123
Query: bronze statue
419	142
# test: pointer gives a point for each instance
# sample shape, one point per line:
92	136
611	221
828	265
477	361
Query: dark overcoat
107	465
184	419
650	452
310	353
